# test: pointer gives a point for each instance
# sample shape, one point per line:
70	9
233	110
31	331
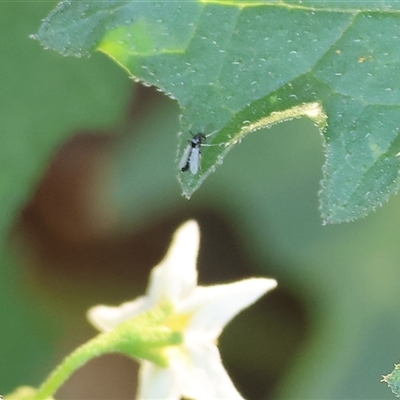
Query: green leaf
235	67
392	380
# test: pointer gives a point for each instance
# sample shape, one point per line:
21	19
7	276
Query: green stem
93	348
142	337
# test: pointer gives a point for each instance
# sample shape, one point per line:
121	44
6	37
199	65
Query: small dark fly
191	155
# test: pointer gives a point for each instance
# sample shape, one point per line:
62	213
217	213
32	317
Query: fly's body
191	155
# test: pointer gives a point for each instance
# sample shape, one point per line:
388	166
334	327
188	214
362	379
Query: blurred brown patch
75	258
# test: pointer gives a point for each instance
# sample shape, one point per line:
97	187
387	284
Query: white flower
195	369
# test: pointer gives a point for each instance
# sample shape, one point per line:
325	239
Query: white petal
157	383
213	307
176	275
106	318
208	379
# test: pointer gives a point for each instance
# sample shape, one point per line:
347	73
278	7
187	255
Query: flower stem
91	349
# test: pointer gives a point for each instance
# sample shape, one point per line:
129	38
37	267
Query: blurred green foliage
44	99
346	276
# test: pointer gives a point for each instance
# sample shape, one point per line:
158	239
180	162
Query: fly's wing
184	163
194	160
